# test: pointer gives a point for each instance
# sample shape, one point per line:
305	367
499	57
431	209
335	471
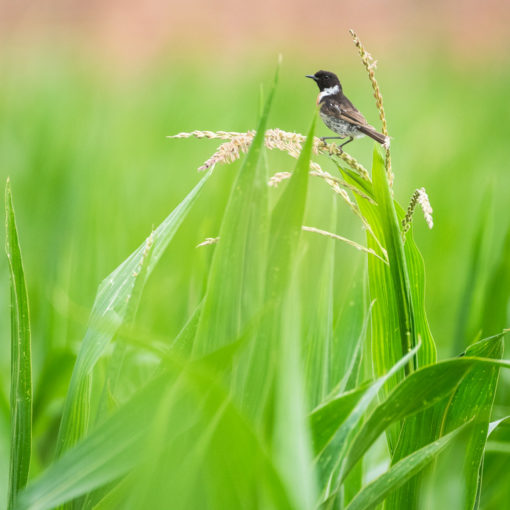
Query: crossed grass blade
109	312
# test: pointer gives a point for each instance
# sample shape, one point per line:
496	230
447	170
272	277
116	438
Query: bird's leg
324	138
345	143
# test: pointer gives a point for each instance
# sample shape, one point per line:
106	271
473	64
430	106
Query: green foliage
262	371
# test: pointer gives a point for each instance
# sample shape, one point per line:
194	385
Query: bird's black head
325	80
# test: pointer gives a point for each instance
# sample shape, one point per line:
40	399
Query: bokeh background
90	90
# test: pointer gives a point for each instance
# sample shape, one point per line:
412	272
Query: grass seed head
370	65
419	197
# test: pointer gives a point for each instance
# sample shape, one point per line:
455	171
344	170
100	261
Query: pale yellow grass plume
238	143
370	65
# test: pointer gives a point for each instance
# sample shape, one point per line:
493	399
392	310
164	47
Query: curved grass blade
375	492
325	419
318	346
421	390
105	454
285	231
21	360
495	492
331	459
396	256
474	400
291	439
135	434
235	283
389	311
471	400
109	312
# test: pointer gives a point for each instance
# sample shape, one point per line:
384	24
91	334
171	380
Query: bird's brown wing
344	110
354	117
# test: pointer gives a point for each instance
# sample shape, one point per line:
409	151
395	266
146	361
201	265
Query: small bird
339	114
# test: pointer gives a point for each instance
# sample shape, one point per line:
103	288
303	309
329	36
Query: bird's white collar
330	91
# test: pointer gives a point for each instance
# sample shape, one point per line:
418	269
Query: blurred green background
88	95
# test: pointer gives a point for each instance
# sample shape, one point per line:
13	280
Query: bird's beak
312	76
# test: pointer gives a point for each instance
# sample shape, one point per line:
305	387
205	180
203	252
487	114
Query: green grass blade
471	400
331	459
116	496
352	374
495	494
286	222
184	410
235	283
318	348
325	419
110	310
421	390
292	442
385	339
21	360
378	490
394	289
105	454
474	400
416	271
285	230
394	246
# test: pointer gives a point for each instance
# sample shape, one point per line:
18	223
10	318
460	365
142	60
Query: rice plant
265	399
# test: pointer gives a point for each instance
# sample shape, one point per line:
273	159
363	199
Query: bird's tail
378	137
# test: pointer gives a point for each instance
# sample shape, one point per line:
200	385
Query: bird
339	114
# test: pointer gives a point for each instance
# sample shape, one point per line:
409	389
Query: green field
92	174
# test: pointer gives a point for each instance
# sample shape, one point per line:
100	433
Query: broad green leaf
235	284
286	222
495	494
116	496
416	271
421	390
500	428
378	490
353	483
385	338
285	231
110	310
184	411
292	443
352	374
331	459
325	419
398	291
392	238
472	400
105	454
21	360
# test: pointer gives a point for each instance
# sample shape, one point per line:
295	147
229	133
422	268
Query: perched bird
339	114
